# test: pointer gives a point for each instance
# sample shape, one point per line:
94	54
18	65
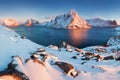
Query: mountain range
70	20
97	22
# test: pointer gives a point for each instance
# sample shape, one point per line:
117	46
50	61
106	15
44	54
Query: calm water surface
78	38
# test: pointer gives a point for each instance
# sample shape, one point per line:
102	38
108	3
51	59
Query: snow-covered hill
21	58
113	41
97	22
70	20
118	22
12	44
31	22
9	22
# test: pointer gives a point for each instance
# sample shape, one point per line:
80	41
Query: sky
41	9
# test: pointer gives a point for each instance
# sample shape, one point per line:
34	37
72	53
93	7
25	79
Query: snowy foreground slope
22	59
13	44
70	20
97	22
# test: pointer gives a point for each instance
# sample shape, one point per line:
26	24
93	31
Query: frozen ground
91	63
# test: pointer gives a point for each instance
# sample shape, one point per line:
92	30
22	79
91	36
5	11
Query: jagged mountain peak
69	20
31	22
73	12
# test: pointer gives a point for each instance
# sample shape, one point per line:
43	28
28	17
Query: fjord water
78	38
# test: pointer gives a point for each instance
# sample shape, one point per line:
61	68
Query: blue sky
40	9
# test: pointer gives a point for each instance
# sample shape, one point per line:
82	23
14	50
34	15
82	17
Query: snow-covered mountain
9	22
31	22
70	20
97	22
22	59
118	22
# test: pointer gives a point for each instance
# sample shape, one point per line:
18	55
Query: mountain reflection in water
77	36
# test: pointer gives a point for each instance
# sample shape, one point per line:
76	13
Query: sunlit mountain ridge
70	20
